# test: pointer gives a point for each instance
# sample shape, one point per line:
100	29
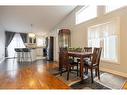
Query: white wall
2	43
79	36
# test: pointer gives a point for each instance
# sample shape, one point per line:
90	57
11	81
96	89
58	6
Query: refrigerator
50	48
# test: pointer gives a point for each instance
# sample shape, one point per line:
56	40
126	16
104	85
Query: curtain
16	42
24	37
8	38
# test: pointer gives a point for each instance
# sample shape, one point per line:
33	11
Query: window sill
110	61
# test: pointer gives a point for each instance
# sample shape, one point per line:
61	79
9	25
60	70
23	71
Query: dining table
80	55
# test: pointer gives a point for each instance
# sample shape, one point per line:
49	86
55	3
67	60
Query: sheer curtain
106	36
16	42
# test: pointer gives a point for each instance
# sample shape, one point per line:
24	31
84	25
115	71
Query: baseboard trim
114	72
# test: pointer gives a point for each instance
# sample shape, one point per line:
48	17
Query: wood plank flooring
125	85
29	76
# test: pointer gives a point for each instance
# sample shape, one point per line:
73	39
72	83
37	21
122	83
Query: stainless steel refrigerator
49	48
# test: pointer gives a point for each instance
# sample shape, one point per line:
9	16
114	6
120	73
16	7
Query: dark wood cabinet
64	38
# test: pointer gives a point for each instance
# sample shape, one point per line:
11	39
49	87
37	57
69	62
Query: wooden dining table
80	55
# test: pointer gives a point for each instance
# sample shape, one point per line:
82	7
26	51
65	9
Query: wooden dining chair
94	63
86	49
67	63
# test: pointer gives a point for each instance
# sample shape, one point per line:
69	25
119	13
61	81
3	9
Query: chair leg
68	73
14	59
21	57
98	73
86	70
72	68
30	56
91	75
77	69
61	71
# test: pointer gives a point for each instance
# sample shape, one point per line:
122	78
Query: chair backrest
96	56
18	49
87	49
26	50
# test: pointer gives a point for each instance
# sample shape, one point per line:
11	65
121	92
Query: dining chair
94	63
86	49
67	63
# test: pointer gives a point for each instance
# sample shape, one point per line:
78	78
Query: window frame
112	10
81	10
117	43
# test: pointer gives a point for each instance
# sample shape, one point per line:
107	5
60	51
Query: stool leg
20	60
14	59
22	57
30	56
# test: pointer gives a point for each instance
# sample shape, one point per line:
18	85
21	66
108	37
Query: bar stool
28	51
18	50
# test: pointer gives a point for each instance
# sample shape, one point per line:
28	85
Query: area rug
87	85
75	83
73	78
111	81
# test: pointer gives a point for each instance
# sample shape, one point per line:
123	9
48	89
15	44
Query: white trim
110	61
114	72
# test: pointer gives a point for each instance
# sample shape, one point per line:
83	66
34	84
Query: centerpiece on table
71	49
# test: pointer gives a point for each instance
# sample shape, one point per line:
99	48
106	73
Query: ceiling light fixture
31	34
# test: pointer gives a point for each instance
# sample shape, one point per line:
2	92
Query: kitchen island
28	54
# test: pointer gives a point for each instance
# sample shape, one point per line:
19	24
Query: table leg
81	68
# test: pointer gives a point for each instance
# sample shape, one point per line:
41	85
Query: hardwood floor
125	85
29	76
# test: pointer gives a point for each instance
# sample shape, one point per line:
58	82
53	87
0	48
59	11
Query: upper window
106	36
86	13
111	8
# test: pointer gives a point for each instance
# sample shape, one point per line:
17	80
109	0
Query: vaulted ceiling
42	18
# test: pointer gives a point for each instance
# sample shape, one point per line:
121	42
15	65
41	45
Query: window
15	43
86	13
111	8
106	36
